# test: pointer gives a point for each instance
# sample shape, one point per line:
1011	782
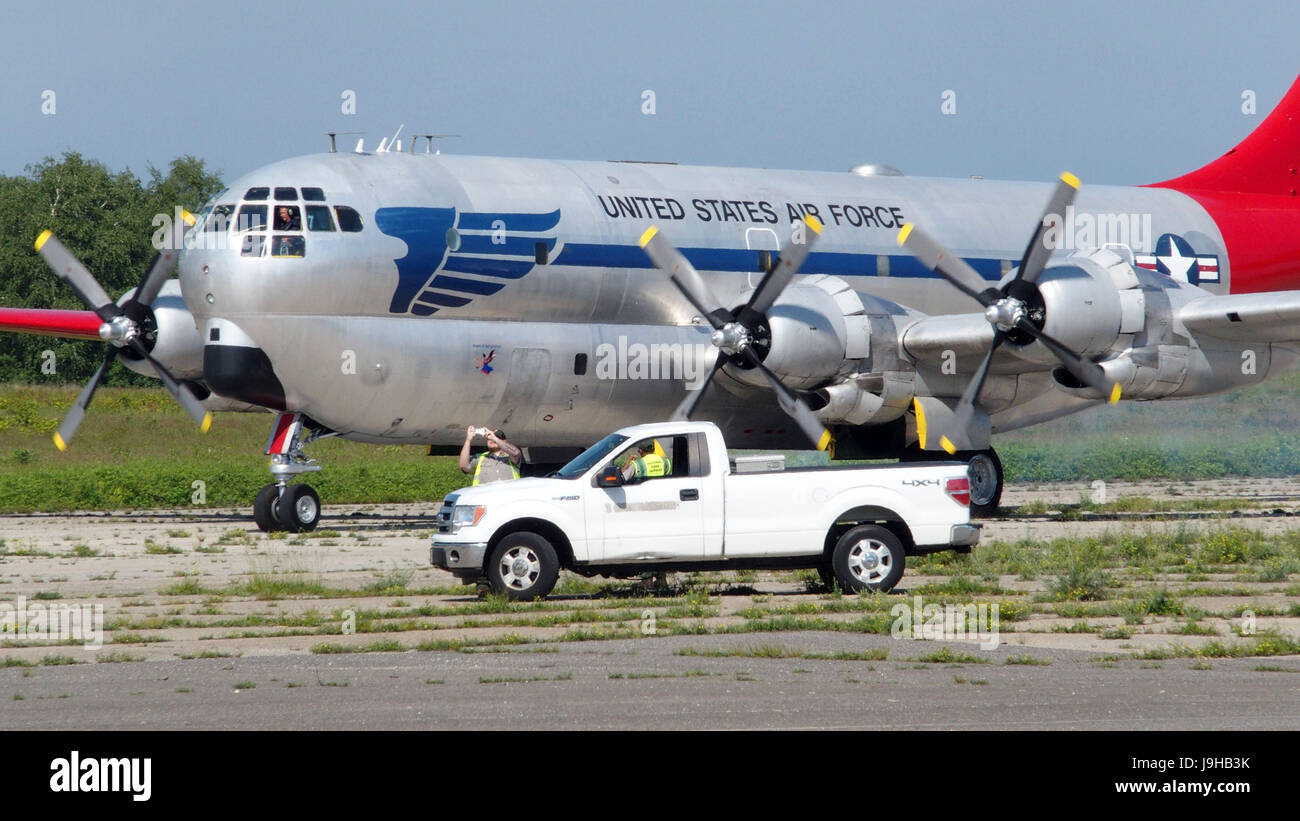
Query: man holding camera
499	462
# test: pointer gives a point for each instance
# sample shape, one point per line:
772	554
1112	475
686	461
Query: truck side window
659	458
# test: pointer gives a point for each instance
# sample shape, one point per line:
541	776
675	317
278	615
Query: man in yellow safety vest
499	462
652	463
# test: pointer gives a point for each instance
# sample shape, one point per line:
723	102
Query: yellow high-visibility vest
653	466
478	467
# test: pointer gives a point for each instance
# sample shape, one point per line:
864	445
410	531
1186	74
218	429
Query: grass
946	655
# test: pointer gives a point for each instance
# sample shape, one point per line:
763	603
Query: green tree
106	220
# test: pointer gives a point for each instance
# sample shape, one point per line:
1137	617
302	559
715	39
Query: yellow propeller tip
188	217
825	441
648	235
206	423
1114	394
813	223
947	444
1069	179
904	232
43	238
58	442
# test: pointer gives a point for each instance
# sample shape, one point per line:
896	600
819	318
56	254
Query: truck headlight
466	515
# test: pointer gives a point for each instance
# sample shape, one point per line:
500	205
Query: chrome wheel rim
870	561
520	568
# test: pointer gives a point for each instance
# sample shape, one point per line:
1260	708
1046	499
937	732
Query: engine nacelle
818	328
1081	305
179	347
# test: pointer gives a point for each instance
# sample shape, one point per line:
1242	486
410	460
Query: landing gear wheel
264	509
985	472
299	508
523	566
868	557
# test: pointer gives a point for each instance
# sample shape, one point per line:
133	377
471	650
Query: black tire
523	566
984	469
298	509
868	557
264	509
826	572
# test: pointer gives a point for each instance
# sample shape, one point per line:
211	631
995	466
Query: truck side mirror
611	476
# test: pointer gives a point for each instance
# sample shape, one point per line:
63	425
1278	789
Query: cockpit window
260	193
288	246
253	245
313	194
286	194
287	218
318	218
219	220
349	219
251	218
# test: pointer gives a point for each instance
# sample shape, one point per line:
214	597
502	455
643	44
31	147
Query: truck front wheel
523	566
868	557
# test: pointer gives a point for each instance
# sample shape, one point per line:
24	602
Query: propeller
127	327
1010	309
735	334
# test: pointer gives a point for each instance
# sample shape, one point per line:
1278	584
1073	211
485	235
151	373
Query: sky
1117	92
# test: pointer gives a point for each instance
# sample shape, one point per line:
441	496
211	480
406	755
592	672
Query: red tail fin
1266	162
1250	193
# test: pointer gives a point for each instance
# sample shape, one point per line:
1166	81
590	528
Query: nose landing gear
279	505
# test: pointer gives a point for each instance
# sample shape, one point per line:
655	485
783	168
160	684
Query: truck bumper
461	558
965	535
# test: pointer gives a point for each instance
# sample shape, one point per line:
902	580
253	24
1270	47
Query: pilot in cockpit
286	219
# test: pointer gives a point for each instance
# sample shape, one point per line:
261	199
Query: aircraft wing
963	334
50	322
1264	317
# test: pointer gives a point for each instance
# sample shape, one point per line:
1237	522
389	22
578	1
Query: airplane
394	297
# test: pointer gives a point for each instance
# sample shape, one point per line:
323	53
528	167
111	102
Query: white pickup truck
707	513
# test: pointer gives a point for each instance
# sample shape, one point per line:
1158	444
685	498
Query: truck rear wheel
868	557
523	566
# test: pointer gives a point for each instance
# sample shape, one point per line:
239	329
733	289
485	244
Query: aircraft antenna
428	146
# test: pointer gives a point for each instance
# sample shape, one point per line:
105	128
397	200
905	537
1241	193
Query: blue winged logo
453	256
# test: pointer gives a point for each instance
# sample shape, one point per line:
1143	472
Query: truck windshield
589	457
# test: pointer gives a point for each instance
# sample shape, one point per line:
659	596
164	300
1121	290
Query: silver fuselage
528	266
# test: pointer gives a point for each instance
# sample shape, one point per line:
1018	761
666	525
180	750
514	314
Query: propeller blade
1085	370
1036	252
687	406
966	407
162	267
953	268
795	407
77	412
71	271
787	264
179	392
685	277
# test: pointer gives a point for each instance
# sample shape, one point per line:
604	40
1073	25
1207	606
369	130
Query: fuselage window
313	194
260	193
251	218
219	220
253	245
287	218
288	246
318	218
286	194
349	219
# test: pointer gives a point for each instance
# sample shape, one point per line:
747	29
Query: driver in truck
653	463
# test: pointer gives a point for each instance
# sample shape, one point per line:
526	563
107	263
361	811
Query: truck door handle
690	494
